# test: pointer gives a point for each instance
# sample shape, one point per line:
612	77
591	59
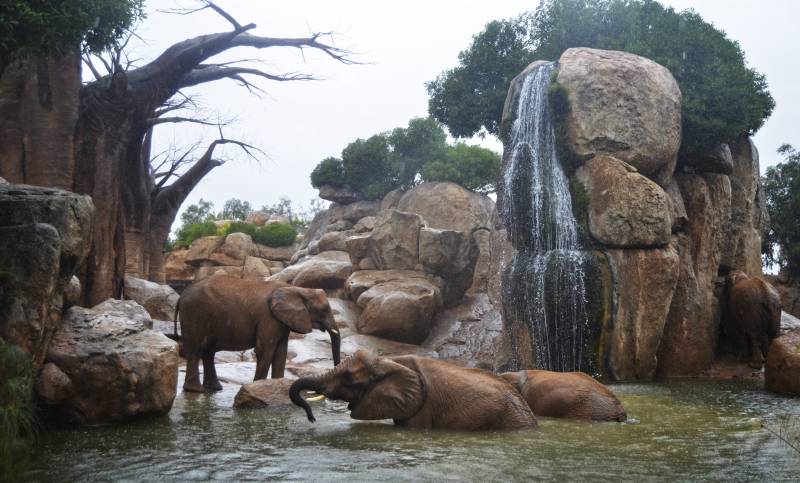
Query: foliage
275	235
235	209
329	171
473	167
41	27
189	233
722	97
17	412
239	227
404	157
782	191
198	213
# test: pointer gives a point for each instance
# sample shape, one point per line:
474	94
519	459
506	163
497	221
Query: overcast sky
404	44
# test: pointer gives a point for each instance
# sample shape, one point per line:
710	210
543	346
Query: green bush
722	97
275	235
473	167
17	411
190	233
329	171
240	227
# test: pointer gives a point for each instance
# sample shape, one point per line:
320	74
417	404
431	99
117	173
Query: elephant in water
753	316
223	312
573	395
419	392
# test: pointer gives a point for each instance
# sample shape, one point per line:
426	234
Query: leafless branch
176	119
88	62
210	72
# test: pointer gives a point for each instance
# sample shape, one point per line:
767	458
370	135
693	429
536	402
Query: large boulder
644	282
236	247
397	304
159	300
394	243
625	208
175	267
328	270
281	254
448	206
200	251
264	393
689	340
257	218
44	238
105	368
624	106
451	255
343	195
782	371
127	310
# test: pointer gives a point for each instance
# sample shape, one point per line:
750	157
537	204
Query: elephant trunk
304	383
336	345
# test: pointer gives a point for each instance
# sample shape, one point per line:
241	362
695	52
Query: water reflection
686	430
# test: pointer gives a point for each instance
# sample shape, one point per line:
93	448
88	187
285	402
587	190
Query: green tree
235	209
722	97
43	27
423	140
367	166
782	190
329	171
198	213
473	167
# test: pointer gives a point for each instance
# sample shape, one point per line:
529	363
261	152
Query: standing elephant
419	392
228	313
753	315
573	395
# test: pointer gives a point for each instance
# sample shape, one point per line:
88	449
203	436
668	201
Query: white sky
405	44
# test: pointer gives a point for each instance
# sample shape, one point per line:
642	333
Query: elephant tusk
321	397
334	331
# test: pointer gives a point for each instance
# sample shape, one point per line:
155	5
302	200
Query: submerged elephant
753	316
419	392
228	313
573	395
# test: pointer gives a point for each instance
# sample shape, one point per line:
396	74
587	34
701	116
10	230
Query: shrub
722	97
240	227
17	412
192	232
275	235
329	171
473	167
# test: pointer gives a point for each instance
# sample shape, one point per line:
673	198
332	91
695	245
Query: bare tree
118	111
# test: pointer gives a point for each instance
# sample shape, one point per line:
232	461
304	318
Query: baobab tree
116	113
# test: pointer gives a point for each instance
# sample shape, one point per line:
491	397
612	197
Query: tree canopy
41	27
782	189
404	157
722	97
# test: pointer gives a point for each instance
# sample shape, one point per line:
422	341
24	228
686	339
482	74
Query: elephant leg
279	359
192	381
210	381
756	357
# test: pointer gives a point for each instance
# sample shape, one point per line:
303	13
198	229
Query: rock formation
669	228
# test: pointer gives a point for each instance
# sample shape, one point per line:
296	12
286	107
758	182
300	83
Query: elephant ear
289	306
397	394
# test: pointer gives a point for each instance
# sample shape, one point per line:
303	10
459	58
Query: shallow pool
678	430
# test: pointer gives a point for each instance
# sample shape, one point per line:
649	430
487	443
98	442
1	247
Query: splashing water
544	286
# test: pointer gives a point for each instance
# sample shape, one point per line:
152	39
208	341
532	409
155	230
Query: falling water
545	284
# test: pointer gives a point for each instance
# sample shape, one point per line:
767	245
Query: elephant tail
175	336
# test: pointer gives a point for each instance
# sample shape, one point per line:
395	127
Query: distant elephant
573	395
753	316
223	312
419	392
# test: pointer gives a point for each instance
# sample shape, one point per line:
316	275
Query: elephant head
305	309
375	388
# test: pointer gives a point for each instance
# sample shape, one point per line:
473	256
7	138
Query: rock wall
670	228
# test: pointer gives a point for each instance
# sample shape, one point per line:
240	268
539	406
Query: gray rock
159	300
343	195
126	310
394	243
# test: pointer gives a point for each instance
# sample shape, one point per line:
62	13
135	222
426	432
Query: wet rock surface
782	370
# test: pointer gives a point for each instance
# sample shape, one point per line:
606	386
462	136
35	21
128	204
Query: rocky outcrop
394	243
622	105
343	195
175	267
644	284
159	300
44	238
625	208
265	393
101	367
125	310
782	371
397	304
328	270
788	290
257	218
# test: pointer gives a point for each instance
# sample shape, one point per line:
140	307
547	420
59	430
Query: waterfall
545	284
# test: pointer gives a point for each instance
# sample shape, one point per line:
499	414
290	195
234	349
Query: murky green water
683	430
